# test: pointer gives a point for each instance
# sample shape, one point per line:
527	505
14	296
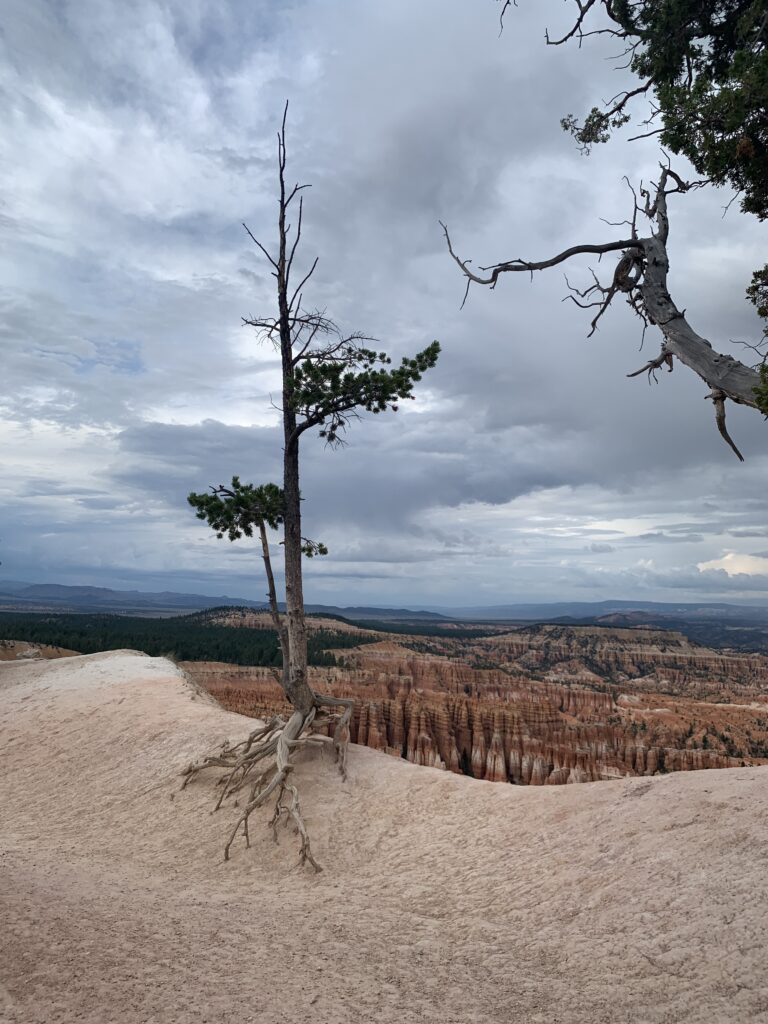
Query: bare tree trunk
276	743
277	619
297	687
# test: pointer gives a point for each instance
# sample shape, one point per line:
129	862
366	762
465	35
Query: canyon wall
569	725
650	658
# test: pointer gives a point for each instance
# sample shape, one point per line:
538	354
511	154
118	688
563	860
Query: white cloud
737	564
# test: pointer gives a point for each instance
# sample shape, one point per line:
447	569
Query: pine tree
328	379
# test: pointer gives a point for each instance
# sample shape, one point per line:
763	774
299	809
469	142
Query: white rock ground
442	899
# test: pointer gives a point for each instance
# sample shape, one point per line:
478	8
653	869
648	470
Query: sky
137	140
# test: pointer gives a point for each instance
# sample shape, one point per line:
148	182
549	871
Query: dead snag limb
641	277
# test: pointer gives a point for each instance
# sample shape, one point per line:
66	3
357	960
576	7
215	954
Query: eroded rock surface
596	710
652	659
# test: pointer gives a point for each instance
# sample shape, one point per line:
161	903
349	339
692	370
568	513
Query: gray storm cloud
138	137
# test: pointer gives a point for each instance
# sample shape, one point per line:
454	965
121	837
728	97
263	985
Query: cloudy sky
138	136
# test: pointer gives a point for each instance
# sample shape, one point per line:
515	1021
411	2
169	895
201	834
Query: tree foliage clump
757	293
326	392
235	511
705	65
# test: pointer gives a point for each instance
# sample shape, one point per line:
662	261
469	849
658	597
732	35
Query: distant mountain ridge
22	596
56	595
16	595
595	610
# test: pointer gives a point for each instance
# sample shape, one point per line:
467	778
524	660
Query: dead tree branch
718	399
654	364
641	275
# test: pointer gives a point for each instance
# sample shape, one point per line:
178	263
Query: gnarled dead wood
263	762
641	276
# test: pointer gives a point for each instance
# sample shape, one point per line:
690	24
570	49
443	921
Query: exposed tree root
263	762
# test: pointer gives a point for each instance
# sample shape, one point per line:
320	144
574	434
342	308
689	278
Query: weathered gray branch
531	265
652	365
720	371
718	399
645	286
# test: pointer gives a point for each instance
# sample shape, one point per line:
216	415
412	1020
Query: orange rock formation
499	725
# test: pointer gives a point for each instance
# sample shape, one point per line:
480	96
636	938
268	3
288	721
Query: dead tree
328	378
640	276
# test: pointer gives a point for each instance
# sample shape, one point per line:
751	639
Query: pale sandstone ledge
442	900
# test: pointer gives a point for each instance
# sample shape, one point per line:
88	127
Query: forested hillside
186	638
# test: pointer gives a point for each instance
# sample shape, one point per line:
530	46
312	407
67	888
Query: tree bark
720	371
296	684
277	619
297	687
